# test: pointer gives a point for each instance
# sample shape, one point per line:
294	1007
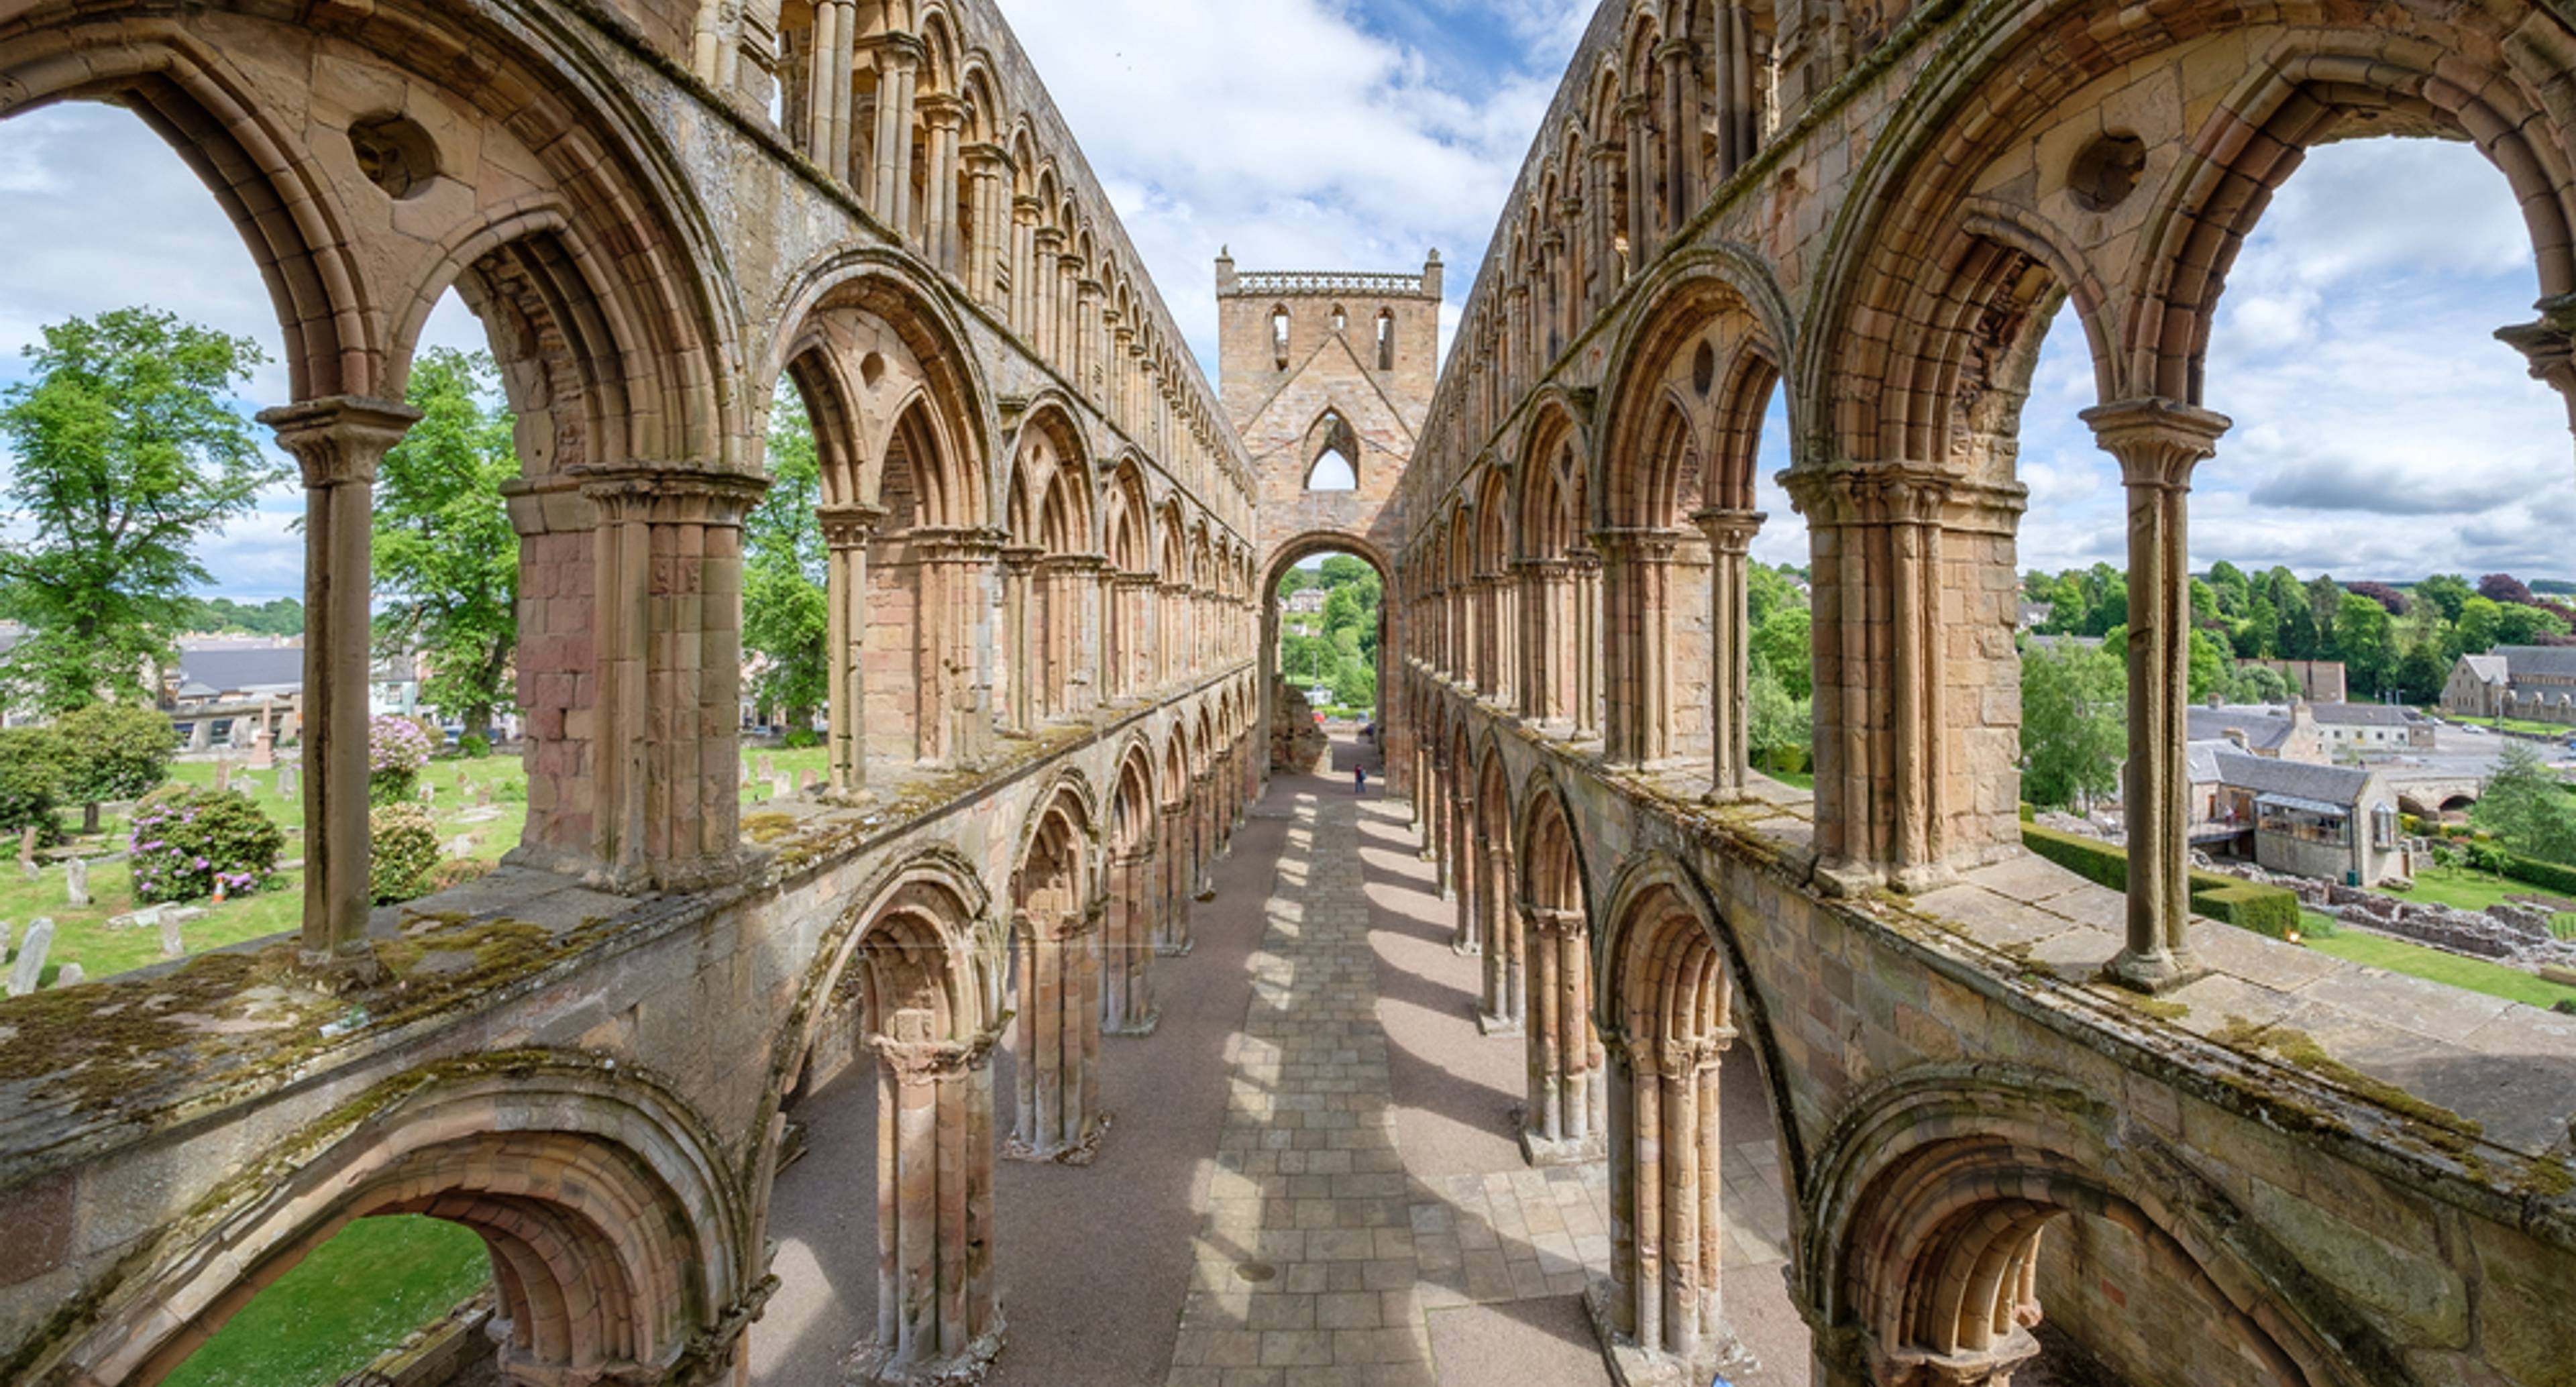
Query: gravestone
286	780
201	735
4	939
69	975
263	748
769	767
27	852
31	958
463	781
813	781
462	845
428	796
223	775
781	786
171	944
483	795
76	881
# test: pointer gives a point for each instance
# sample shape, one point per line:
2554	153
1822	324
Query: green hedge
2548	876
2271	910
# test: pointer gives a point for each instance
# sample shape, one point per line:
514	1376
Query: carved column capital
1729	531
339	439
849	527
670	495
2157	441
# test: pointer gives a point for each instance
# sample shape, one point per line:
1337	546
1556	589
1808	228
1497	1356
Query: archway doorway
1327	639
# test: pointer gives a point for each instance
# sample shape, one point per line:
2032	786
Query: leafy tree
2255	684
2527	625
127	451
2259	637
2209	666
2504	589
1780	729
2480	627
2384	595
1768	589
446	557
2074	712
282	617
1297	580
786	614
2526	808
2232	588
1785	643
1355	686
113	751
2421	675
1341	569
2366	641
2204	601
2299	637
32	772
2448	591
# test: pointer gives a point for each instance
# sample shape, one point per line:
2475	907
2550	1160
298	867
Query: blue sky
2380	431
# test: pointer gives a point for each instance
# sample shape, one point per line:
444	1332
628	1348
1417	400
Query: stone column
1172	921
1086	317
1129	944
1608	267
898	62
1681	125
847	531
942	117
1504	1008
1068	326
1024	253
1058	1073
1203	833
337	443
2158	443
1637	603
1172	649
1664	1314
985	246
1461	875
1730	541
1585	586
822	68
1566	1119
669	641
1645	231
939	1313
955	602
1021	637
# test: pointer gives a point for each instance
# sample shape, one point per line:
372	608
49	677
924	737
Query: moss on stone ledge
2436	1124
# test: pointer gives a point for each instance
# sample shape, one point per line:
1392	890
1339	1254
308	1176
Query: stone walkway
1313	1179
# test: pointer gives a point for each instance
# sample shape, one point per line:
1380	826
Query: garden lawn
2416	961
333	1313
2466	889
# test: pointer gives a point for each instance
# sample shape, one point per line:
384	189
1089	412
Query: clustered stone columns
669	547
1547	648
944	117
1504	1008
985	249
2158	443
830	93
1172	921
337	443
1129	942
939	1312
898	60
954	599
1663	1300
1587	643
1639	567
1020	637
1203	833
1568	1110
1058	1076
1742	51
847	531
1132	597
1730	539
1068	635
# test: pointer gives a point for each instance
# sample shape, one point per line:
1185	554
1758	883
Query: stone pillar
986	246
1637	603
669	641
942	117
1021	638
1644	231
1058	1073
846	533
1086	337
1681	125
1730	541
1664	1315
898	62
1505	1006
1172	648
2158	443
1172	920
337	444
1203	833
1461	884
1567	1117
1024	230
1129	943
1585	586
939	1312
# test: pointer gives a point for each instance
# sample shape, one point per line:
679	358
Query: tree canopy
128	451
786	616
446	557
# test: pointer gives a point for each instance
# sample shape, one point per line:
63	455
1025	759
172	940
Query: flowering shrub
396	750
185	840
402	843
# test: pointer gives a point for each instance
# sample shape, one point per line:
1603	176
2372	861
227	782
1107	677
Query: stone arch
1287	554
910	324
1131	835
1566	1118
1930	1197
1331	433
1056	912
1492	858
618	1237
1050	569
274	190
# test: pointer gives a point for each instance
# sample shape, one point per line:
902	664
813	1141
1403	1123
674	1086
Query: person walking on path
1359	780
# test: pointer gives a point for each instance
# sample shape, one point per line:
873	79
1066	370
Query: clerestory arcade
2001	1095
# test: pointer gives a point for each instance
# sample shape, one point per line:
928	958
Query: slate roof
2489	669
244	669
2340	786
2364	714
2200	761
2544	661
2261	726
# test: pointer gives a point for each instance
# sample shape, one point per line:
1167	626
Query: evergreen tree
2526	808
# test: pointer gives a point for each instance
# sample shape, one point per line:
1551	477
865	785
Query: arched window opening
1328	613
1340	319
1333	471
1279	336
1386	339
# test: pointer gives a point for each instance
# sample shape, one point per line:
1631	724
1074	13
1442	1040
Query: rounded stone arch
617	1230
274	189
1553	872
1052	491
1552	519
1178	758
1682	354
1135	799
1069	794
1930	1194
927	393
938	896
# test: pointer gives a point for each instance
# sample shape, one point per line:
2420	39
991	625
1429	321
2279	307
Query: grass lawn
2468	889
331	1314
1804	780
2555	731
2414	960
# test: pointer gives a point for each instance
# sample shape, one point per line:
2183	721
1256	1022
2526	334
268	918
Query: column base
1146	1026
1464	948
1082	1152
1843	877
1495	1023
1204	893
2156	972
350	967
1546	1151
1632	1365
873	1364
1169	949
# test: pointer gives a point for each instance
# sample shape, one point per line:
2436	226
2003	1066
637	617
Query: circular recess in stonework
1703	369
395	154
2107	171
872	369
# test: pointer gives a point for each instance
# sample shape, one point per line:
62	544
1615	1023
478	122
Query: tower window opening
1279	336
1386	339
1340	320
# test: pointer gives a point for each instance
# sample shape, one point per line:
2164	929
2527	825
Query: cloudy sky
2380	430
